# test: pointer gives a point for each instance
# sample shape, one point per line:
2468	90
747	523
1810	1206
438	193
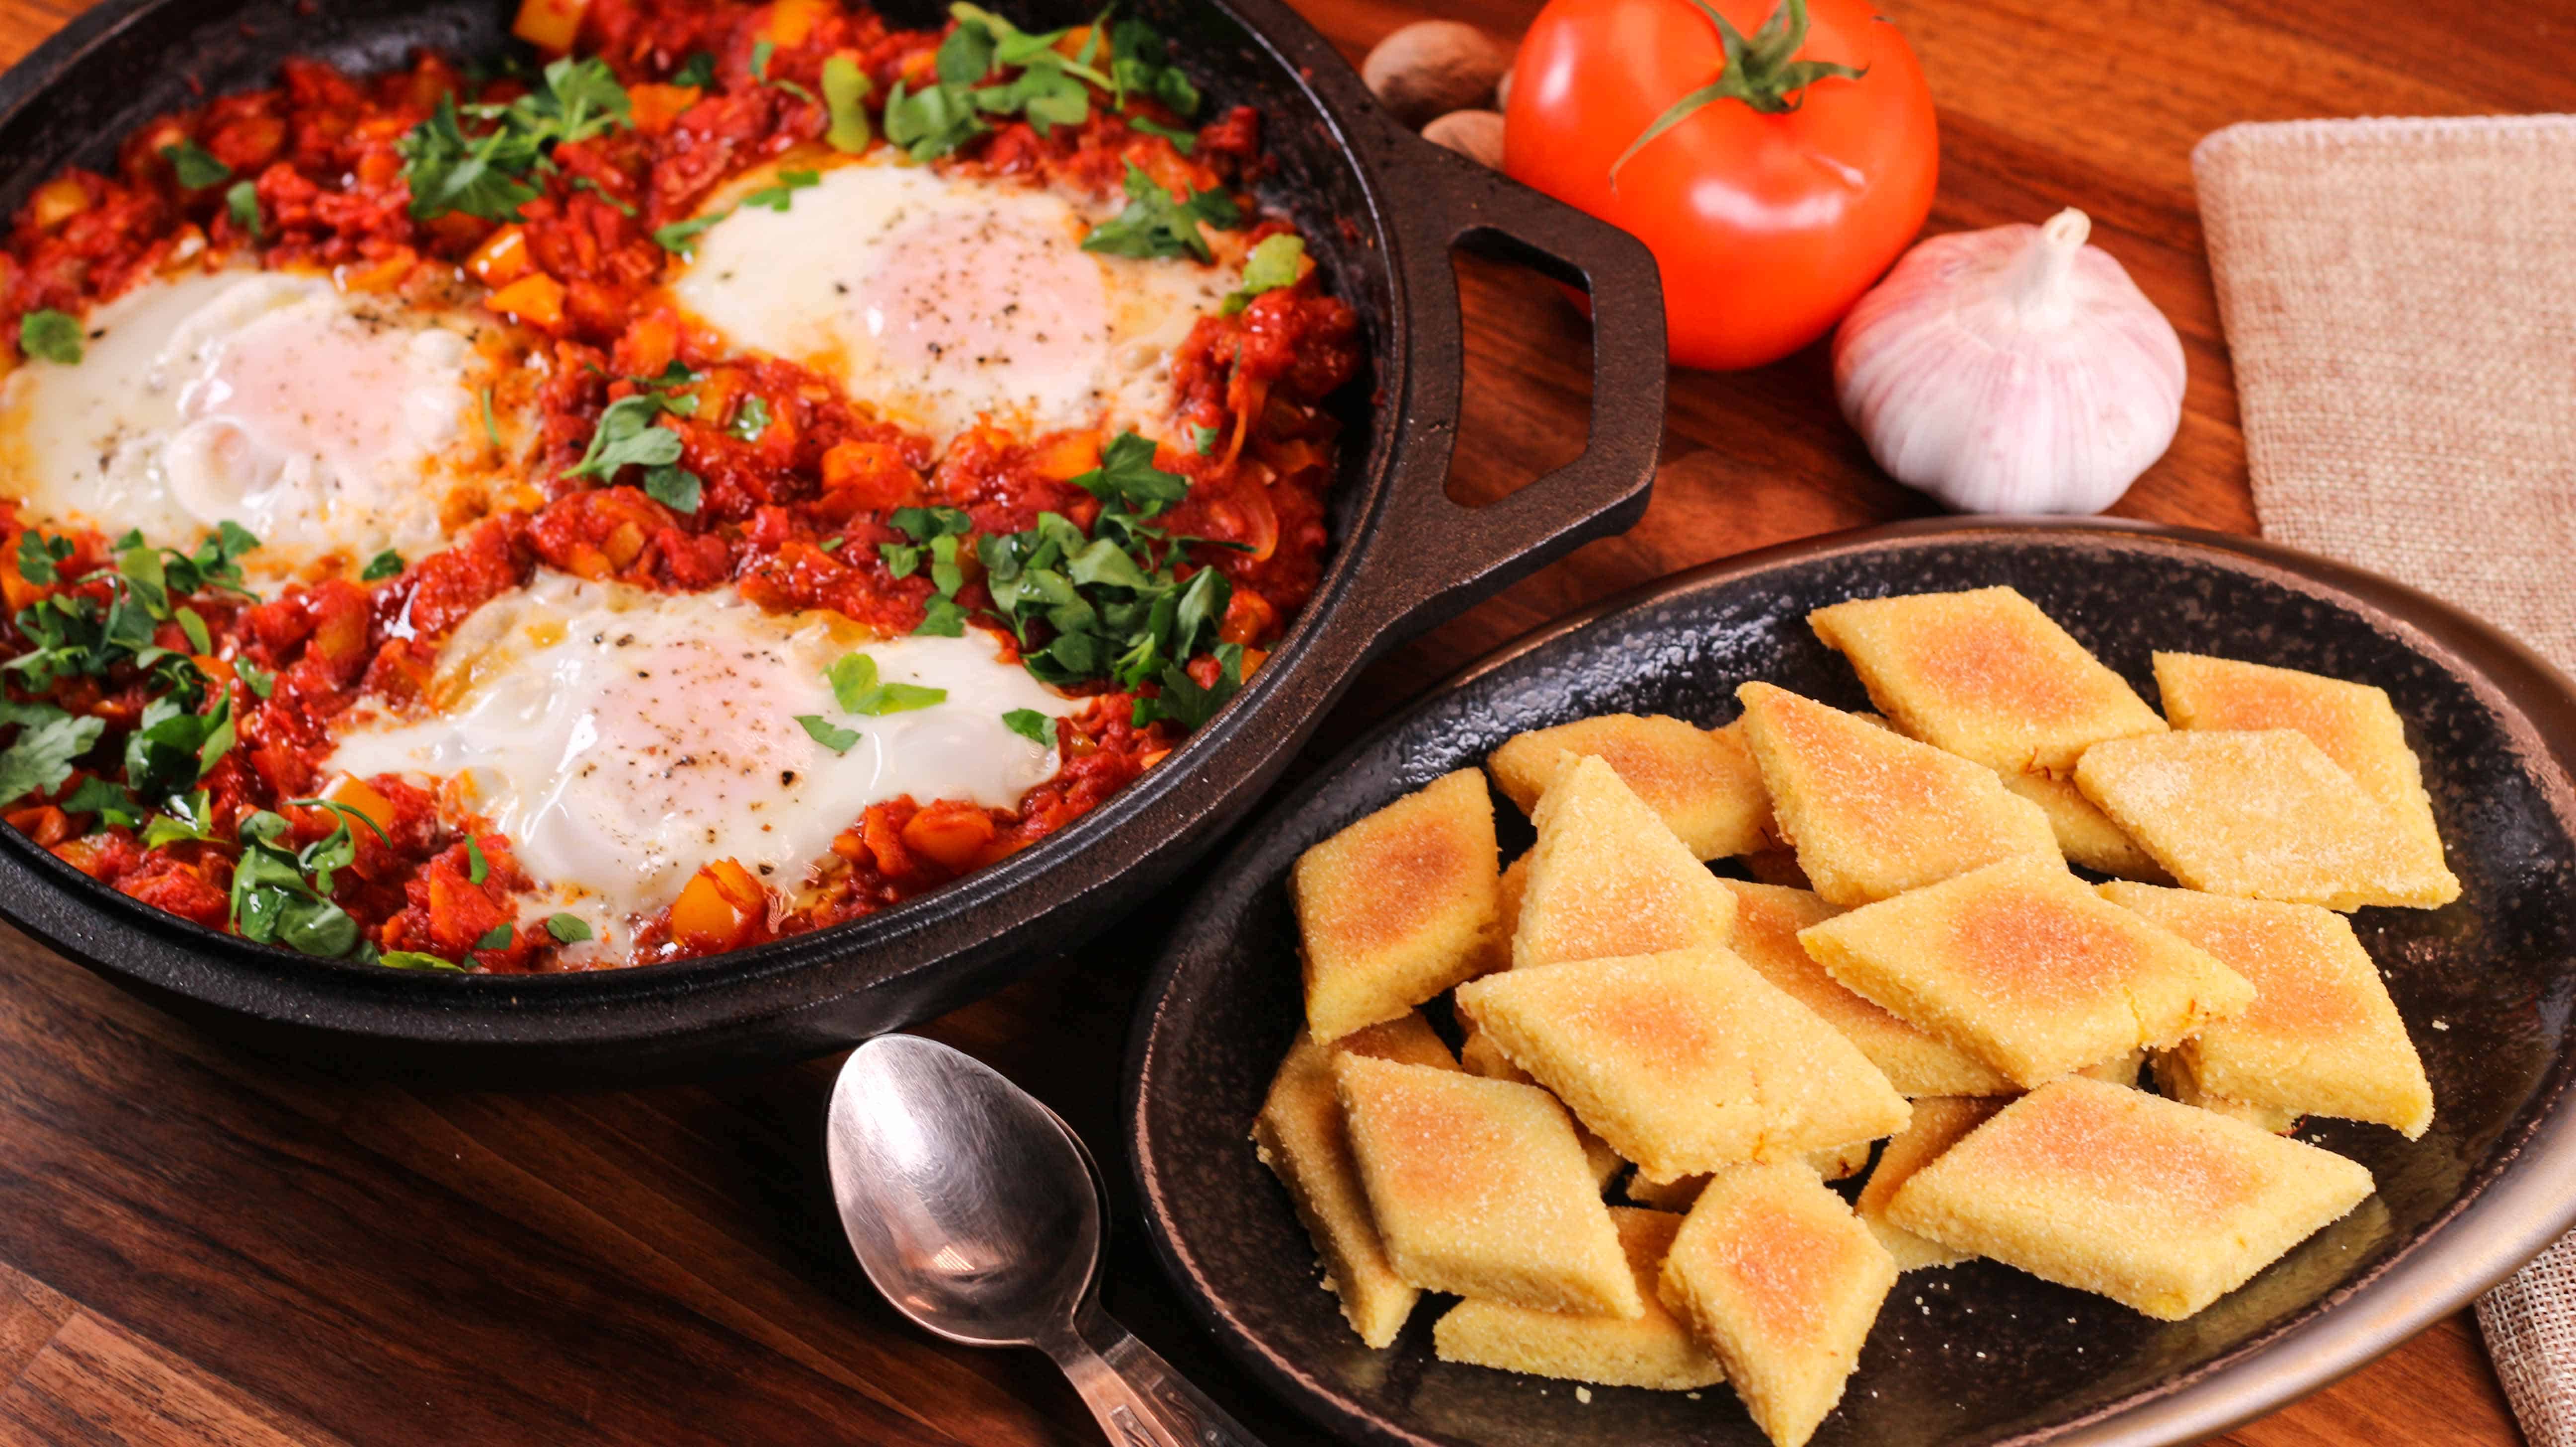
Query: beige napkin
2400	301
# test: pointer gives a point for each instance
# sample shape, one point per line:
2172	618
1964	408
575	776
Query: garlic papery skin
2011	370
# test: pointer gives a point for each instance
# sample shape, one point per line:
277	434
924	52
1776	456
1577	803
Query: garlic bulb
2011	370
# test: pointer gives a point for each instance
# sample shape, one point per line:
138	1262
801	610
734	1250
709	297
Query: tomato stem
1760	71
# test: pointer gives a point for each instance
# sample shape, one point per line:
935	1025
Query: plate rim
2512	1210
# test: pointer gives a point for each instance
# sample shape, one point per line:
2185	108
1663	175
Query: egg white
623	738
326	422
940	299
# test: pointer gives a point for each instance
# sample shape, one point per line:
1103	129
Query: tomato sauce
791	517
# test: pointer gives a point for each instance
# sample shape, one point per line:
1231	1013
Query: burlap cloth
2400	300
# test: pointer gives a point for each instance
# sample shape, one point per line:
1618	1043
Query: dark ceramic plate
1977	1353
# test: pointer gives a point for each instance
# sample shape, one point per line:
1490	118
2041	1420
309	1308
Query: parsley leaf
491	429
498	937
282	896
845	91
776	198
823	731
943	618
1140	64
260	681
568	929
680	237
112	802
676	488
853	677
1184	702
52	335
477	868
242	201
698	70
40	758
902	560
1278	261
1128	478
750	419
173	746
40	558
931	122
1183	141
1032	725
488	175
386	564
195	167
1156	225
1204	439
584	183
415	960
921	524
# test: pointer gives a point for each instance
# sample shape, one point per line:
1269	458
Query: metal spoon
978	1213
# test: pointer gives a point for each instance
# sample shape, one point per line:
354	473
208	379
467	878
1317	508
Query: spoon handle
1139	1399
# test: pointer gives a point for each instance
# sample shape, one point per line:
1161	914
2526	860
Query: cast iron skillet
1977	1353
1381	208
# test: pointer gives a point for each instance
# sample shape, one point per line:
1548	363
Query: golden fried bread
1479	1187
1648	1351
2321	1038
1607	878
2023	966
1872	813
1481	1056
2353	723
1767	921
1686	1060
2176	1082
1840	1163
1497	952
1397	907
2085	834
1703	786
2138	1198
2121	1071
2261	814
1939	1123
1984	674
1777	1277
1299	1136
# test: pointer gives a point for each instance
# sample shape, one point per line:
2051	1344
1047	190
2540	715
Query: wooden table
196	1245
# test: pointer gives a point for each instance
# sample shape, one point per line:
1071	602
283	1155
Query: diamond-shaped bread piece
2261	814
2023	966
1703	785
1607	878
1939	1123
1650	1351
2140	1199
1481	1056
2085	834
1777	1277
1767	921
1685	1061
2321	1038
1872	813
1299	1135
1478	1187
1984	674
1835	1163
1399	906
2175	1080
2353	723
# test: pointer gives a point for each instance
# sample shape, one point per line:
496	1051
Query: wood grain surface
201	1246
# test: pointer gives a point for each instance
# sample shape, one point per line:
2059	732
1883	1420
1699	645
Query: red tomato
1767	225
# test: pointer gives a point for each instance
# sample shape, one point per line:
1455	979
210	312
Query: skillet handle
1459	555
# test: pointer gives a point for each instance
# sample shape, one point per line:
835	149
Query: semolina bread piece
1686	1060
1777	1277
1397	907
2022	965
1702	786
1607	878
1497	954
2353	723
1651	1351
1986	675
2174	1078
1481	1056
1767	921
2122	1071
2149	1202
2085	834
1478	1187
1872	813
2261	814
1840	1163
2321	1038
1938	1124
1299	1135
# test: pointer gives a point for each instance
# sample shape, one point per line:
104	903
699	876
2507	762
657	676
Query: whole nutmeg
1476	135
1432	67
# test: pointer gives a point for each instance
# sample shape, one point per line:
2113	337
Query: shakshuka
719	476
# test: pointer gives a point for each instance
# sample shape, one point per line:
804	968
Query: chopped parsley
40	758
568	929
52	335
491	429
1156	225
387	564
195	167
760	54
584	183
1141	64
626	437
855	687
750	419
823	731
491	175
499	937
988	66
776	198
1204	439
845	93
698	70
477	868
112	802
242	200
415	960
681	237
1183	140
1278	261
182	816
282	895
1032	725
258	680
